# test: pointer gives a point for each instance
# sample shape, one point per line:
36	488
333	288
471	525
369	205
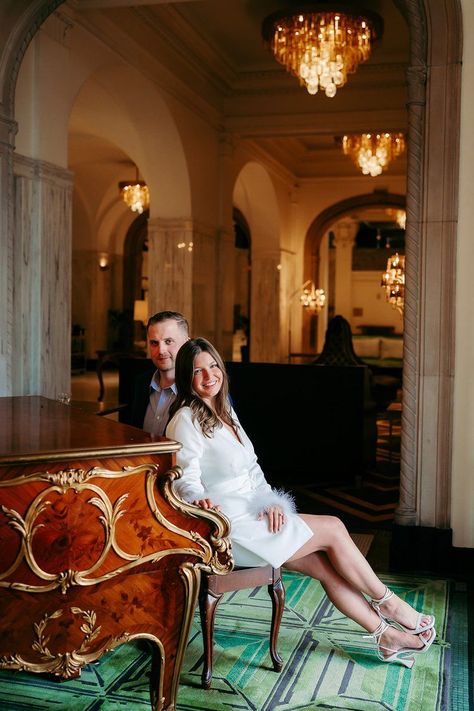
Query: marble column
170	266
92	297
8	129
205	260
345	232
190	269
225	277
291	313
226	257
323	283
265	307
42	278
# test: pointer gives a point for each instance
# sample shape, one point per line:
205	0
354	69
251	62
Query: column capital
345	233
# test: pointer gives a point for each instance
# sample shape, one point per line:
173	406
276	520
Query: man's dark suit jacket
141	398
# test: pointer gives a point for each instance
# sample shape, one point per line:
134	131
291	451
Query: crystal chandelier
320	46
312	298
372	152
393	281
400	217
135	194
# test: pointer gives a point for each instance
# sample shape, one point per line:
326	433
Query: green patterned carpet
328	664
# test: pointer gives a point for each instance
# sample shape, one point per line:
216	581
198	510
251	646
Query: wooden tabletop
37	429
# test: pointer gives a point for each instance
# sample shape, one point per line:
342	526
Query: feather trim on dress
276	497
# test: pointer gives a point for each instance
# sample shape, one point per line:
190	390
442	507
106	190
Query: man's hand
206	504
276	518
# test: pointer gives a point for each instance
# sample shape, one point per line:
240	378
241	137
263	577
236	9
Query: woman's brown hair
184	372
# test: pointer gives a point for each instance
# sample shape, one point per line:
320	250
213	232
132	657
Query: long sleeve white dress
226	471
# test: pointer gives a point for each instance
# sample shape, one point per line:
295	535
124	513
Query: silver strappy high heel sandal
404	655
411	630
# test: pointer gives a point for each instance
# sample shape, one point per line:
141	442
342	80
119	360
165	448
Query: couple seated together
188	400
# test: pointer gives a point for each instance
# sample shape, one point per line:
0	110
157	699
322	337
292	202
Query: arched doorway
136	283
318	229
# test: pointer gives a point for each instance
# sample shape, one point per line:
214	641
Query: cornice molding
311	123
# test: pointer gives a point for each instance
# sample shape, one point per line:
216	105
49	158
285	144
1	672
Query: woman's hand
206	504
276	518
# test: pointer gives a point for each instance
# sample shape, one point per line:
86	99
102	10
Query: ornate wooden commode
95	548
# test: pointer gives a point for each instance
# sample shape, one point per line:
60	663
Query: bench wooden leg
277	594
207	607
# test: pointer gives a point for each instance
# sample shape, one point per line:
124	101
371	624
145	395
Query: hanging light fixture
320	44
399	215
393	281
312	298
135	194
373	152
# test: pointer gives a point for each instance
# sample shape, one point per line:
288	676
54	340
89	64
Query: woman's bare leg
350	601
331	536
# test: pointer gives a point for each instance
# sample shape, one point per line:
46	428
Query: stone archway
314	236
324	220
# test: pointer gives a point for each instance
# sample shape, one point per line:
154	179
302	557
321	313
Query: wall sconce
311	299
103	261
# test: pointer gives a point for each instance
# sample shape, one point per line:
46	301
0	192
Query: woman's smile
207	376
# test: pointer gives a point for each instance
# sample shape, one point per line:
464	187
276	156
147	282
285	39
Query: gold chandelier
372	152
312	298
135	194
393	281
320	46
399	215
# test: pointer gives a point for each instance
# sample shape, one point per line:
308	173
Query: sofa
382	353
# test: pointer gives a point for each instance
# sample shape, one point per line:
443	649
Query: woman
220	470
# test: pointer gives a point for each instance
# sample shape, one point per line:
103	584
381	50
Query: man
166	333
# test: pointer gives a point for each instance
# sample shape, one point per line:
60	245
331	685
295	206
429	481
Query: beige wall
462	492
368	295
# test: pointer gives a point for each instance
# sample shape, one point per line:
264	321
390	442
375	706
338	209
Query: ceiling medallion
321	43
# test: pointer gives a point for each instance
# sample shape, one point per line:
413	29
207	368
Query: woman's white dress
226	471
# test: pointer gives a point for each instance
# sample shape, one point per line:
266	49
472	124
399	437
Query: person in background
220	470
166	333
338	350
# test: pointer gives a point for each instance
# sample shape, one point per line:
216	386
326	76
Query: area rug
328	663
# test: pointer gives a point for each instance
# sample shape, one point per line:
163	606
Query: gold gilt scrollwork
215	555
67	664
219	558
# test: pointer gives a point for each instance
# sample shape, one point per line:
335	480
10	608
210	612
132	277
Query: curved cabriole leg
207	607
157	669
277	594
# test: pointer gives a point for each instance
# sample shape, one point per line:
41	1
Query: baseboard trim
429	550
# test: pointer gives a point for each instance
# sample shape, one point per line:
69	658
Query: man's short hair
166	316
